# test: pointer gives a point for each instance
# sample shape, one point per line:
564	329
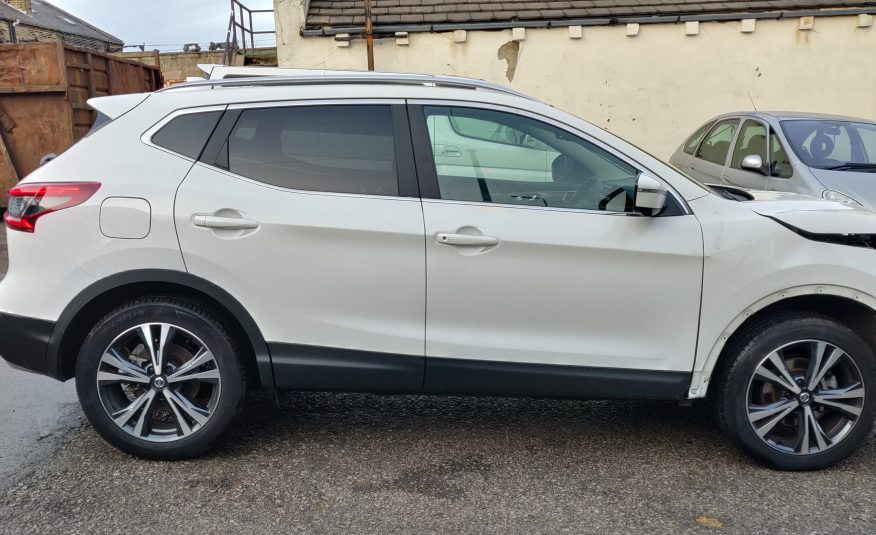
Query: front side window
340	148
498	157
752	140
828	144
780	164
691	144
716	145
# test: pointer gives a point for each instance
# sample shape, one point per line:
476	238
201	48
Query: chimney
21	5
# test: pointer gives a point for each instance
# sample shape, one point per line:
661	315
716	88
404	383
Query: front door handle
465	240
224	223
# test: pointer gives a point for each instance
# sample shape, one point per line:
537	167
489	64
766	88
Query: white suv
422	234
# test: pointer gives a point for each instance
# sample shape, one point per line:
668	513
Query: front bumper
24	342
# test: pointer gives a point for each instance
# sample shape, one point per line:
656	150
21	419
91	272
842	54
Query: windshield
831	144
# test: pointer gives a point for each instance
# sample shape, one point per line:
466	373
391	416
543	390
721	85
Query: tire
176	413
754	402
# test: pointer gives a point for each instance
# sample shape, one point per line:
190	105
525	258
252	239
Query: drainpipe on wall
13	38
369	35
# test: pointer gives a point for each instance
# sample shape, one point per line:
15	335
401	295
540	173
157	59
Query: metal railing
241	31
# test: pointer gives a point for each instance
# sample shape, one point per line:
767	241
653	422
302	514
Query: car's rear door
308	214
708	162
557	287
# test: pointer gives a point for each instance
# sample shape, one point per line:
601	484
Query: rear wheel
799	393
159	378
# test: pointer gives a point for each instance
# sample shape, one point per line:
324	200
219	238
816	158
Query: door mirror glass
650	195
753	162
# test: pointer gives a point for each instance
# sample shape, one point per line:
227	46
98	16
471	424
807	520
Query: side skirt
301	367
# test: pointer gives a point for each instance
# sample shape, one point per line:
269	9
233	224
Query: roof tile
388	12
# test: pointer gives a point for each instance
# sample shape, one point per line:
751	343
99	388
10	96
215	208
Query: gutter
391	29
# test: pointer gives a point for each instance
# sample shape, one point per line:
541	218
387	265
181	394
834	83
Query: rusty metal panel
44	89
31	68
34	125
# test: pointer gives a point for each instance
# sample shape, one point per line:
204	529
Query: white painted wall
652	89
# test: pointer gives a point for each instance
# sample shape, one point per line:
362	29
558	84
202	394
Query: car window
716	145
752	139
780	164
187	134
511	159
691	144
827	143
343	149
868	139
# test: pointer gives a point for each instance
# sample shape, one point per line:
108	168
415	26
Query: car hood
858	185
811	214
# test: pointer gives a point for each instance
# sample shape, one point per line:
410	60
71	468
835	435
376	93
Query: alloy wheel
805	397
159	382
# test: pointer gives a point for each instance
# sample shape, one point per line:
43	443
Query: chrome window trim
562	126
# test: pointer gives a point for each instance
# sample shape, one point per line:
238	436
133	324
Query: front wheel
159	378
799	392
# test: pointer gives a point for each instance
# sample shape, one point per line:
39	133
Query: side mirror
754	162
650	195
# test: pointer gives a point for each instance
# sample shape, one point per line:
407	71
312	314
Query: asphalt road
344	463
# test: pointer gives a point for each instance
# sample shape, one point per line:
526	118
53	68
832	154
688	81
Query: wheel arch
850	307
101	297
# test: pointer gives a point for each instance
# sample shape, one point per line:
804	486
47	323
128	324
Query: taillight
29	202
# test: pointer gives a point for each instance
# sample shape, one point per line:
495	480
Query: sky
166	24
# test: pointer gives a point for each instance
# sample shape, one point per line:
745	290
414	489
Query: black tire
191	323
731	393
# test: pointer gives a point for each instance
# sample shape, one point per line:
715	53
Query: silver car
812	154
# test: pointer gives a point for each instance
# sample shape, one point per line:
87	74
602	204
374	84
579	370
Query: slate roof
45	15
334	13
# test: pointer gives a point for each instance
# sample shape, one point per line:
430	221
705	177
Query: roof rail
330	77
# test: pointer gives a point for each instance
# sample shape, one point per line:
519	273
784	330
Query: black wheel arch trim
54	358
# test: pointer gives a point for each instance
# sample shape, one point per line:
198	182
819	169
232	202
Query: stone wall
31	34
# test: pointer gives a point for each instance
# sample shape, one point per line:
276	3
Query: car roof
792	115
338	78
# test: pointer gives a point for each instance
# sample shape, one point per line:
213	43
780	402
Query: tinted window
752	139
187	134
344	149
691	144
510	159
717	143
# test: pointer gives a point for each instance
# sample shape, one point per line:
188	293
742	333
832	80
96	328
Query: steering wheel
585	191
606	199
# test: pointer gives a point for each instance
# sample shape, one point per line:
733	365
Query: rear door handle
227	223
465	240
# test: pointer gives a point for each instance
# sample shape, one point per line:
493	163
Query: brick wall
31	34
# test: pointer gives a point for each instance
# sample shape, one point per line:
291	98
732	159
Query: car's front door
751	140
308	214
552	286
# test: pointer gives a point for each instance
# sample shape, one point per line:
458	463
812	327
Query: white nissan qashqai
425	234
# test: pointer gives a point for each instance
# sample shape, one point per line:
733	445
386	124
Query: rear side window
691	144
717	143
341	148
187	134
